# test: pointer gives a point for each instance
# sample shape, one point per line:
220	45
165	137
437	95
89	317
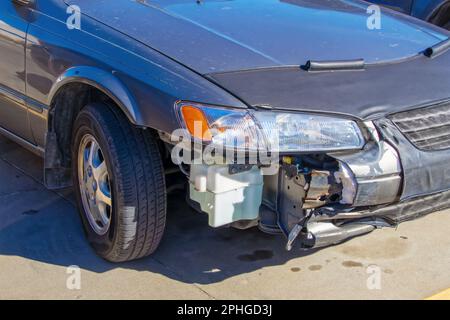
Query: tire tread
139	173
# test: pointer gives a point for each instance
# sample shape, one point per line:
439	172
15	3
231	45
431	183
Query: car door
13	110
403	6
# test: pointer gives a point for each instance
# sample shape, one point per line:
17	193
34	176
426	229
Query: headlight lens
270	130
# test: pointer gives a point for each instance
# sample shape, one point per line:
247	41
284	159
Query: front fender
104	81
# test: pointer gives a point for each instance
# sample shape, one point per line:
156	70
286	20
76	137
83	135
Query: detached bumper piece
400	212
329	227
323	234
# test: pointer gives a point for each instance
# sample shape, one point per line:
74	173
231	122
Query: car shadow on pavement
40	225
197	253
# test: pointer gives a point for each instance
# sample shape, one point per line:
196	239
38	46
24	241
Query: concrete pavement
41	235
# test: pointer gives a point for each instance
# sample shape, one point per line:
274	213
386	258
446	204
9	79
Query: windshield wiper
437	49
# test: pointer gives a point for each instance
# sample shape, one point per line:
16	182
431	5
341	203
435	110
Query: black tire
137	183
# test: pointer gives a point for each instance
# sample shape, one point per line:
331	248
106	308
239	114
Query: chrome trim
36	106
22	142
22	99
12	95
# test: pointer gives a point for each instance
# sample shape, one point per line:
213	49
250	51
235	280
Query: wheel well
67	103
442	15
64	109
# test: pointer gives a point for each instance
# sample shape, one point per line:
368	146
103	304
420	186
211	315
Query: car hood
212	36
370	94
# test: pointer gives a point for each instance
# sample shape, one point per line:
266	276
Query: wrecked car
295	116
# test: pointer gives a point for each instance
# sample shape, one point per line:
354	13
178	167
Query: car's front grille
427	128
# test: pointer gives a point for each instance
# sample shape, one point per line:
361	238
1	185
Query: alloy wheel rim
94	184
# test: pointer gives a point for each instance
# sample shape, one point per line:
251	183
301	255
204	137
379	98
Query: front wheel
119	184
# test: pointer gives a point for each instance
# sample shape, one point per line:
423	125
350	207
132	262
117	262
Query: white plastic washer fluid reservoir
200	183
226	197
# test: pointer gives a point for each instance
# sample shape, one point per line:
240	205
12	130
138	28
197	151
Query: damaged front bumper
321	200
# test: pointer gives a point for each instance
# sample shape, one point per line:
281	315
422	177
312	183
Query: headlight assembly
272	131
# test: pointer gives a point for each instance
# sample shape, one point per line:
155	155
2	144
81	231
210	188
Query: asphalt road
41	235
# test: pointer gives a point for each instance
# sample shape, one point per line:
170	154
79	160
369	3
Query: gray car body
147	55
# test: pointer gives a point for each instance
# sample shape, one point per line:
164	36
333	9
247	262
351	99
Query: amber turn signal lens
196	123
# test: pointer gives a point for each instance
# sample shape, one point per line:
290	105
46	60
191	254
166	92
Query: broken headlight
272	131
